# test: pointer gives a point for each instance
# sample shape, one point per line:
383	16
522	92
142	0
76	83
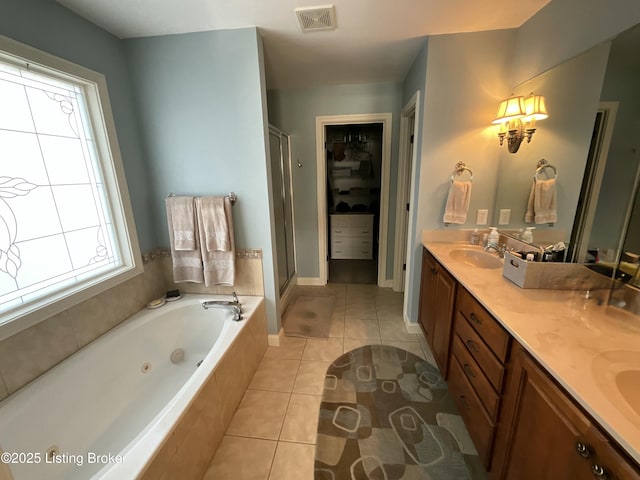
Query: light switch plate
482	217
505	216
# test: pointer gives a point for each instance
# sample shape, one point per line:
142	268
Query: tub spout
232	305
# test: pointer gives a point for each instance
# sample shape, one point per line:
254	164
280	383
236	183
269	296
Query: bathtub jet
232	305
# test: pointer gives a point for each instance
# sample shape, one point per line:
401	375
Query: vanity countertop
581	341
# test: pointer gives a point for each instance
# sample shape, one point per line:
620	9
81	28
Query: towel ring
459	169
541	166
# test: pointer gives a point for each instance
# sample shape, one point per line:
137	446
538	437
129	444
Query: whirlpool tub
153	395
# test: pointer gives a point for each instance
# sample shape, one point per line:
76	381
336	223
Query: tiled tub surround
30	353
580	340
116	408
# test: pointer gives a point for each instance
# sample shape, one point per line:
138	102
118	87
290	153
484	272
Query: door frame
321	176
408	157
584	224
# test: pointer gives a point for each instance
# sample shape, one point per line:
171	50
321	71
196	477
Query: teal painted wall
201	107
46	25
295	111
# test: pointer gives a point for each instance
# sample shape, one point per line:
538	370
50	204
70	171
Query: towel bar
233	198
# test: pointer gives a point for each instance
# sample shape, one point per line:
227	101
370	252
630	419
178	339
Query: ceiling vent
317	18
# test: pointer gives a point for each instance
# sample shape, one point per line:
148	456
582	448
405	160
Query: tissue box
551	275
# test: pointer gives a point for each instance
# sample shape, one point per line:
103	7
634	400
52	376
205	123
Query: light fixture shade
535	108
510	109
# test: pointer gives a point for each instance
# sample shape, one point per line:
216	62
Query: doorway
322	189
354	168
579	244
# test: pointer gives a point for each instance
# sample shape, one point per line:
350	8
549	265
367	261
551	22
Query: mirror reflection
591	138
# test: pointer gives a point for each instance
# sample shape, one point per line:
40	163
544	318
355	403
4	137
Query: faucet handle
235	297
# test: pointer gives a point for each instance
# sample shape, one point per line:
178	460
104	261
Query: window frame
100	115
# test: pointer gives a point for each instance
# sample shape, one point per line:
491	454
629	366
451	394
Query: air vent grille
316	18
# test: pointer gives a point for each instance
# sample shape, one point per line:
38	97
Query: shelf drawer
479	425
484	357
362	221
493	334
476	378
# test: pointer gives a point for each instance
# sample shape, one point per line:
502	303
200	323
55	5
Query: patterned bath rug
386	414
309	317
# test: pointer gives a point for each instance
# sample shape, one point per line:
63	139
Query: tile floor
272	435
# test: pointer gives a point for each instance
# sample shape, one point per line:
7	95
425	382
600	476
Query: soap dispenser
527	236
493	237
474	237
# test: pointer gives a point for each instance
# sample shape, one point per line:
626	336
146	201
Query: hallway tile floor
272	435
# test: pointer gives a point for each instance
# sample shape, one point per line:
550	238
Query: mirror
600	83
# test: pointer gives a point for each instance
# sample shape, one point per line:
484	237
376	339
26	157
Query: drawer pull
473	346
583	450
599	472
475	319
515	264
468	370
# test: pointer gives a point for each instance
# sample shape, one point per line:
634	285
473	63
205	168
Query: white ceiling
376	40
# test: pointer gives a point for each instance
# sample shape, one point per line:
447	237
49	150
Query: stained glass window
57	229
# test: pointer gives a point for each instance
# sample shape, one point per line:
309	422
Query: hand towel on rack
457	202
182	222
214	224
219	265
187	263
542	206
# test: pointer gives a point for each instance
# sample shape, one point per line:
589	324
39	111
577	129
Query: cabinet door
445	296
542	432
426	314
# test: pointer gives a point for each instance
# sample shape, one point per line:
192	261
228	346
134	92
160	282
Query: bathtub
106	411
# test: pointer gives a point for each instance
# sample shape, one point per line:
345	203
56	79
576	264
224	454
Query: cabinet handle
599	472
583	450
472	346
463	399
468	370
474	318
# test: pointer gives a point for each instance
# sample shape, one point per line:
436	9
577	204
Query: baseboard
310	281
412	327
273	340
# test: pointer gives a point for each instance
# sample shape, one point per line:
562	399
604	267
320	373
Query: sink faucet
500	248
232	305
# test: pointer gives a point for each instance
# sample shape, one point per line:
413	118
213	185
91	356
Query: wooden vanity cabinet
480	348
437	296
544	435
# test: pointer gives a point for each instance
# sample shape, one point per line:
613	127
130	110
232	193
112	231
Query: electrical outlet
482	217
505	216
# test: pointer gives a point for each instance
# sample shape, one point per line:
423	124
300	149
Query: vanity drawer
486	360
483	322
479	425
476	378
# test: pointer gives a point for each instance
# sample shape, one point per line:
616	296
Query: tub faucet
232	305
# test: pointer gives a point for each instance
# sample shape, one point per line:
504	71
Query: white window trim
120	203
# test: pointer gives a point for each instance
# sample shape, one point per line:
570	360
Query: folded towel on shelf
457	202
214	223
218	265
187	263
542	206
182	222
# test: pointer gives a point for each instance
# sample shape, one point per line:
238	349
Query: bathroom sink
476	258
617	373
627	382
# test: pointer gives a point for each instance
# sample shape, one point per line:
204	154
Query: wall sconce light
517	118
